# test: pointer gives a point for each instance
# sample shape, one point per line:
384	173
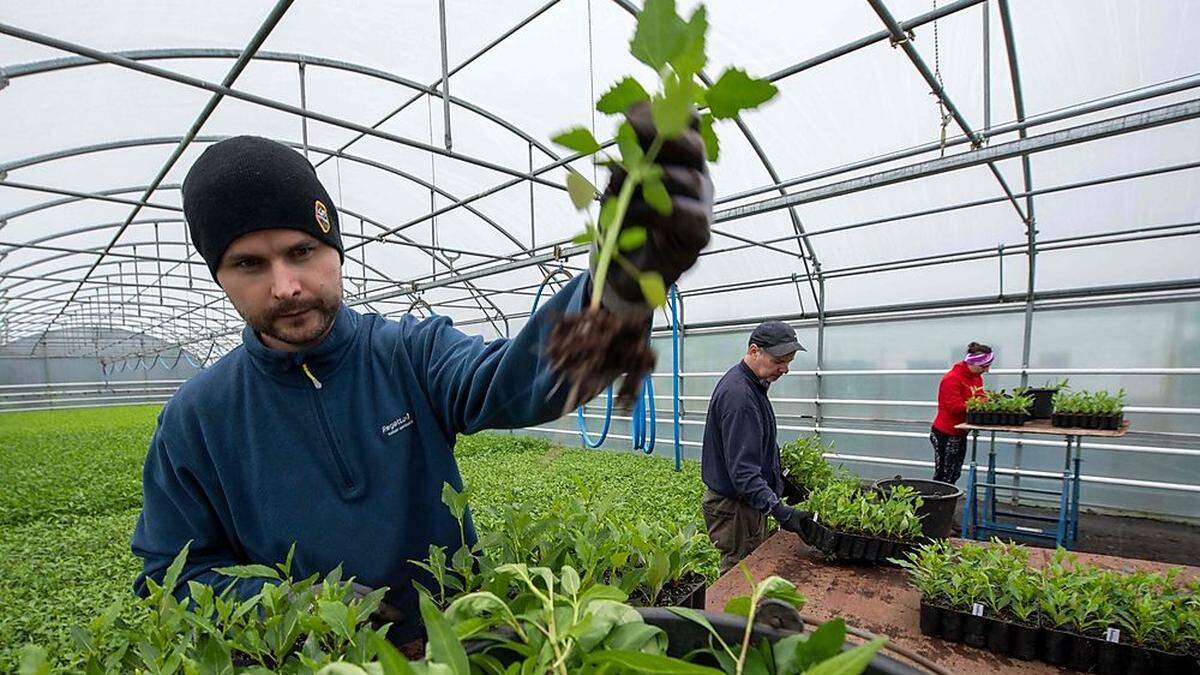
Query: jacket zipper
338	459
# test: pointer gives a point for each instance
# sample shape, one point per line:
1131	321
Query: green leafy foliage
1150	608
675	50
805	465
736	91
843	505
620	96
999	401
1089	403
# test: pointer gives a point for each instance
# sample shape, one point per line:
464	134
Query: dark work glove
790	518
673	242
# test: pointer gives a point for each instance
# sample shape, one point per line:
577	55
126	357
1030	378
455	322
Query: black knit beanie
245	184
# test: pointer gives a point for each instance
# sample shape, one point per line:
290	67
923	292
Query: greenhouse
600	336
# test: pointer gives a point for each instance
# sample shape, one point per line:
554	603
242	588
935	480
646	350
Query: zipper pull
315	381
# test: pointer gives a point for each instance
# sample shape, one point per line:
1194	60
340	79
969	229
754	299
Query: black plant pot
845	546
1140	661
684	636
975	630
1057	647
1084	652
999	636
931	619
952	625
1043	403
1026	641
1108	658
871	550
858	550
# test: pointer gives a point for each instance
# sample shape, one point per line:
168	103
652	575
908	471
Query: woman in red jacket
958	385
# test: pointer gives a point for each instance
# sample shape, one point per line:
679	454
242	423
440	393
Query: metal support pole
987	69
1030	223
303	106
820	351
445	84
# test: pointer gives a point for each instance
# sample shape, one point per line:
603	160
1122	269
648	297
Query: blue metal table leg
989	504
968	516
1064	513
1075	494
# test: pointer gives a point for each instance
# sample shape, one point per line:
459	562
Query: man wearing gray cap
740	459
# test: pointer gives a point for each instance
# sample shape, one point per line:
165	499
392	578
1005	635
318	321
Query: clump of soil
591	349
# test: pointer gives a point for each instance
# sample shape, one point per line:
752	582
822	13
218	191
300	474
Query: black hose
888	646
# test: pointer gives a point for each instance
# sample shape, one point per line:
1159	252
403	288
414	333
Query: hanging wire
937	73
591	84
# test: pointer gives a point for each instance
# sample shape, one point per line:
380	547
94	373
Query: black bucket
937	511
1043	403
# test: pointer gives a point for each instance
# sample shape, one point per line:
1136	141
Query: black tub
937	511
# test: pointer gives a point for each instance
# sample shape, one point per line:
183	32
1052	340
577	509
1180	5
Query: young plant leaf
585	237
849	662
673	110
825	643
580	189
660	34
621	95
444	646
712	146
578	139
248	572
627	142
656	195
608	214
736	91
391	661
739	605
691	57
631	238
654	290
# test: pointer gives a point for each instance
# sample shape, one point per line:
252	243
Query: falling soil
595	347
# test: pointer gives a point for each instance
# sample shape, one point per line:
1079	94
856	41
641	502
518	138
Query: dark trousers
734	527
948	454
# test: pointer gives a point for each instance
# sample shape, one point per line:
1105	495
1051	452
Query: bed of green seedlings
652	562
538	622
844	505
547	622
1151	609
70	493
1089	403
999	402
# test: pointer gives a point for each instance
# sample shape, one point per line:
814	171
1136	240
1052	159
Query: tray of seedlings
853	523
999	408
1089	410
1067	614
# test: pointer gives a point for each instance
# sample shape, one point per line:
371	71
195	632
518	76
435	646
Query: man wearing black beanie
335	430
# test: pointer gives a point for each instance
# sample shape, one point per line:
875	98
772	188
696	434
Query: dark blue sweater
251	455
740	457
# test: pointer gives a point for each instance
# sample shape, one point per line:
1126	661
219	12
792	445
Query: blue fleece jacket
740	456
252	454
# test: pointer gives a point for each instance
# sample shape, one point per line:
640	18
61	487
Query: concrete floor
1123	536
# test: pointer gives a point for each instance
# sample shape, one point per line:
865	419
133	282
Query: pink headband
979	359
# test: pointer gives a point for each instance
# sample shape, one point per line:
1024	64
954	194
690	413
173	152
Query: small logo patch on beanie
322	216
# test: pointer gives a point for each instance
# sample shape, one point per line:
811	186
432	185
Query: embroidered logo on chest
397	425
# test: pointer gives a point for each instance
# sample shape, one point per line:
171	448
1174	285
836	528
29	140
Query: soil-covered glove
790	518
674	241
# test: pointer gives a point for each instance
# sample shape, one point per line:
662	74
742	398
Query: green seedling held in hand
675	50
